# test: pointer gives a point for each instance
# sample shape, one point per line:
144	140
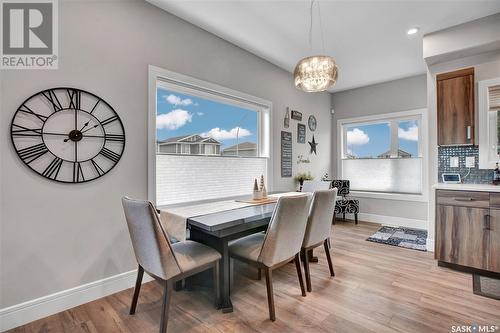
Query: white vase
257	195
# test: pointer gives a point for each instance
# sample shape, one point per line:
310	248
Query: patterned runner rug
415	239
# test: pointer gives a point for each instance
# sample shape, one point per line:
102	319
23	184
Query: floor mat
415	239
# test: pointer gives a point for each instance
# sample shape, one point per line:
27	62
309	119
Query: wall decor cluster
301	159
286	154
313	145
301	133
311	122
68	135
296	115
286	120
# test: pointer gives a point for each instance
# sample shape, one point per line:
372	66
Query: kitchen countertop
467	187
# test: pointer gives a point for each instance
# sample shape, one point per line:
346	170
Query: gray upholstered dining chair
318	229
312	186
162	260
279	245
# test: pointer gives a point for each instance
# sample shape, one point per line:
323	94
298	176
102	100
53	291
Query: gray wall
399	95
54	236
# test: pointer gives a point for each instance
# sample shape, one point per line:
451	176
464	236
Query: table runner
174	220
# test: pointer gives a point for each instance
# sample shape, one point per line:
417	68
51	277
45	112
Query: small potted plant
301	176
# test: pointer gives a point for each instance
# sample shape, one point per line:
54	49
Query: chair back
319	223
150	242
342	186
286	230
312	186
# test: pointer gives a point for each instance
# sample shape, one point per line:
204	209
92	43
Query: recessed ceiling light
412	31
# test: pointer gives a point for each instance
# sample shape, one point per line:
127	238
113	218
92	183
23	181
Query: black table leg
220	245
225	277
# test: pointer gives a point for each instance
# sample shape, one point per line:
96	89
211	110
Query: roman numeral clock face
68	135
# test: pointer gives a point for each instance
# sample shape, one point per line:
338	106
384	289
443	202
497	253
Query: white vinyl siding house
189	145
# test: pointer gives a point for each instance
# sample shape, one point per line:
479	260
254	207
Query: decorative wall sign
286	154
286	120
313	145
301	159
68	135
296	115
311	122
301	133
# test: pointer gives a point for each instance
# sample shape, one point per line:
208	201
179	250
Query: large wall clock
68	135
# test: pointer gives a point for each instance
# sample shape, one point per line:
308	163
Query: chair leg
216	284
343	217
328	257
299	274
167	295
270	293
355	218
305	260
138	282
259	274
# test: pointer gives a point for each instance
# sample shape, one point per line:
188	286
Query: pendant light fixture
315	73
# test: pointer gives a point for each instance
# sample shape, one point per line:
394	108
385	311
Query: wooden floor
377	288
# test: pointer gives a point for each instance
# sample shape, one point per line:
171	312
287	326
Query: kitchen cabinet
468	229
455	107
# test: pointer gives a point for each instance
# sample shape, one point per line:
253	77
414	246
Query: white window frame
486	128
188	85
389	117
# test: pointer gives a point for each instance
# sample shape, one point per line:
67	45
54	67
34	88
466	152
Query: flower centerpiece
301	176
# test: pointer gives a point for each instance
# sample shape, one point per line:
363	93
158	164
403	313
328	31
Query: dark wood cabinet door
455	107
461	235
494	240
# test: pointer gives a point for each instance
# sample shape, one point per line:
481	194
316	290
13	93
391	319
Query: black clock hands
88	129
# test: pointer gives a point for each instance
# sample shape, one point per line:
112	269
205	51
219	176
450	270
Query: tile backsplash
476	175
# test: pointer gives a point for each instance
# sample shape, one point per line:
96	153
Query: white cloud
173	120
200	113
410	134
222	134
176	100
357	137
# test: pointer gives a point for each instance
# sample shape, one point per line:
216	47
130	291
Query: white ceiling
367	38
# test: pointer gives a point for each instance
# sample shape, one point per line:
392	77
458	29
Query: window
382	154
205	141
489	119
202	126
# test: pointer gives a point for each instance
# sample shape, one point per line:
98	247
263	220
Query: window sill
390	196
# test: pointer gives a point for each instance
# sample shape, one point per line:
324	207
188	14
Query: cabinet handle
487	224
463	199
468	132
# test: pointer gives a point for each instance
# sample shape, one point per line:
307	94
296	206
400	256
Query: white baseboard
393	221
29	311
430	245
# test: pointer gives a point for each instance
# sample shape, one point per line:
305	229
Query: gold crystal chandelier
315	73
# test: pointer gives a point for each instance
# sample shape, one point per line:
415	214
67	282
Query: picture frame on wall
301	133
296	115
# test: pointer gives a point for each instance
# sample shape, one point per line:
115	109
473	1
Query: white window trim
423	152
484	133
183	83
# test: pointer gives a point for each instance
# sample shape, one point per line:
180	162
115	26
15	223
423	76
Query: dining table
218	229
216	224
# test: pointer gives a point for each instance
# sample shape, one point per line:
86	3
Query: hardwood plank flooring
376	288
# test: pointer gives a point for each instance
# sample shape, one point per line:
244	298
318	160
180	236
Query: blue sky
374	139
180	114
